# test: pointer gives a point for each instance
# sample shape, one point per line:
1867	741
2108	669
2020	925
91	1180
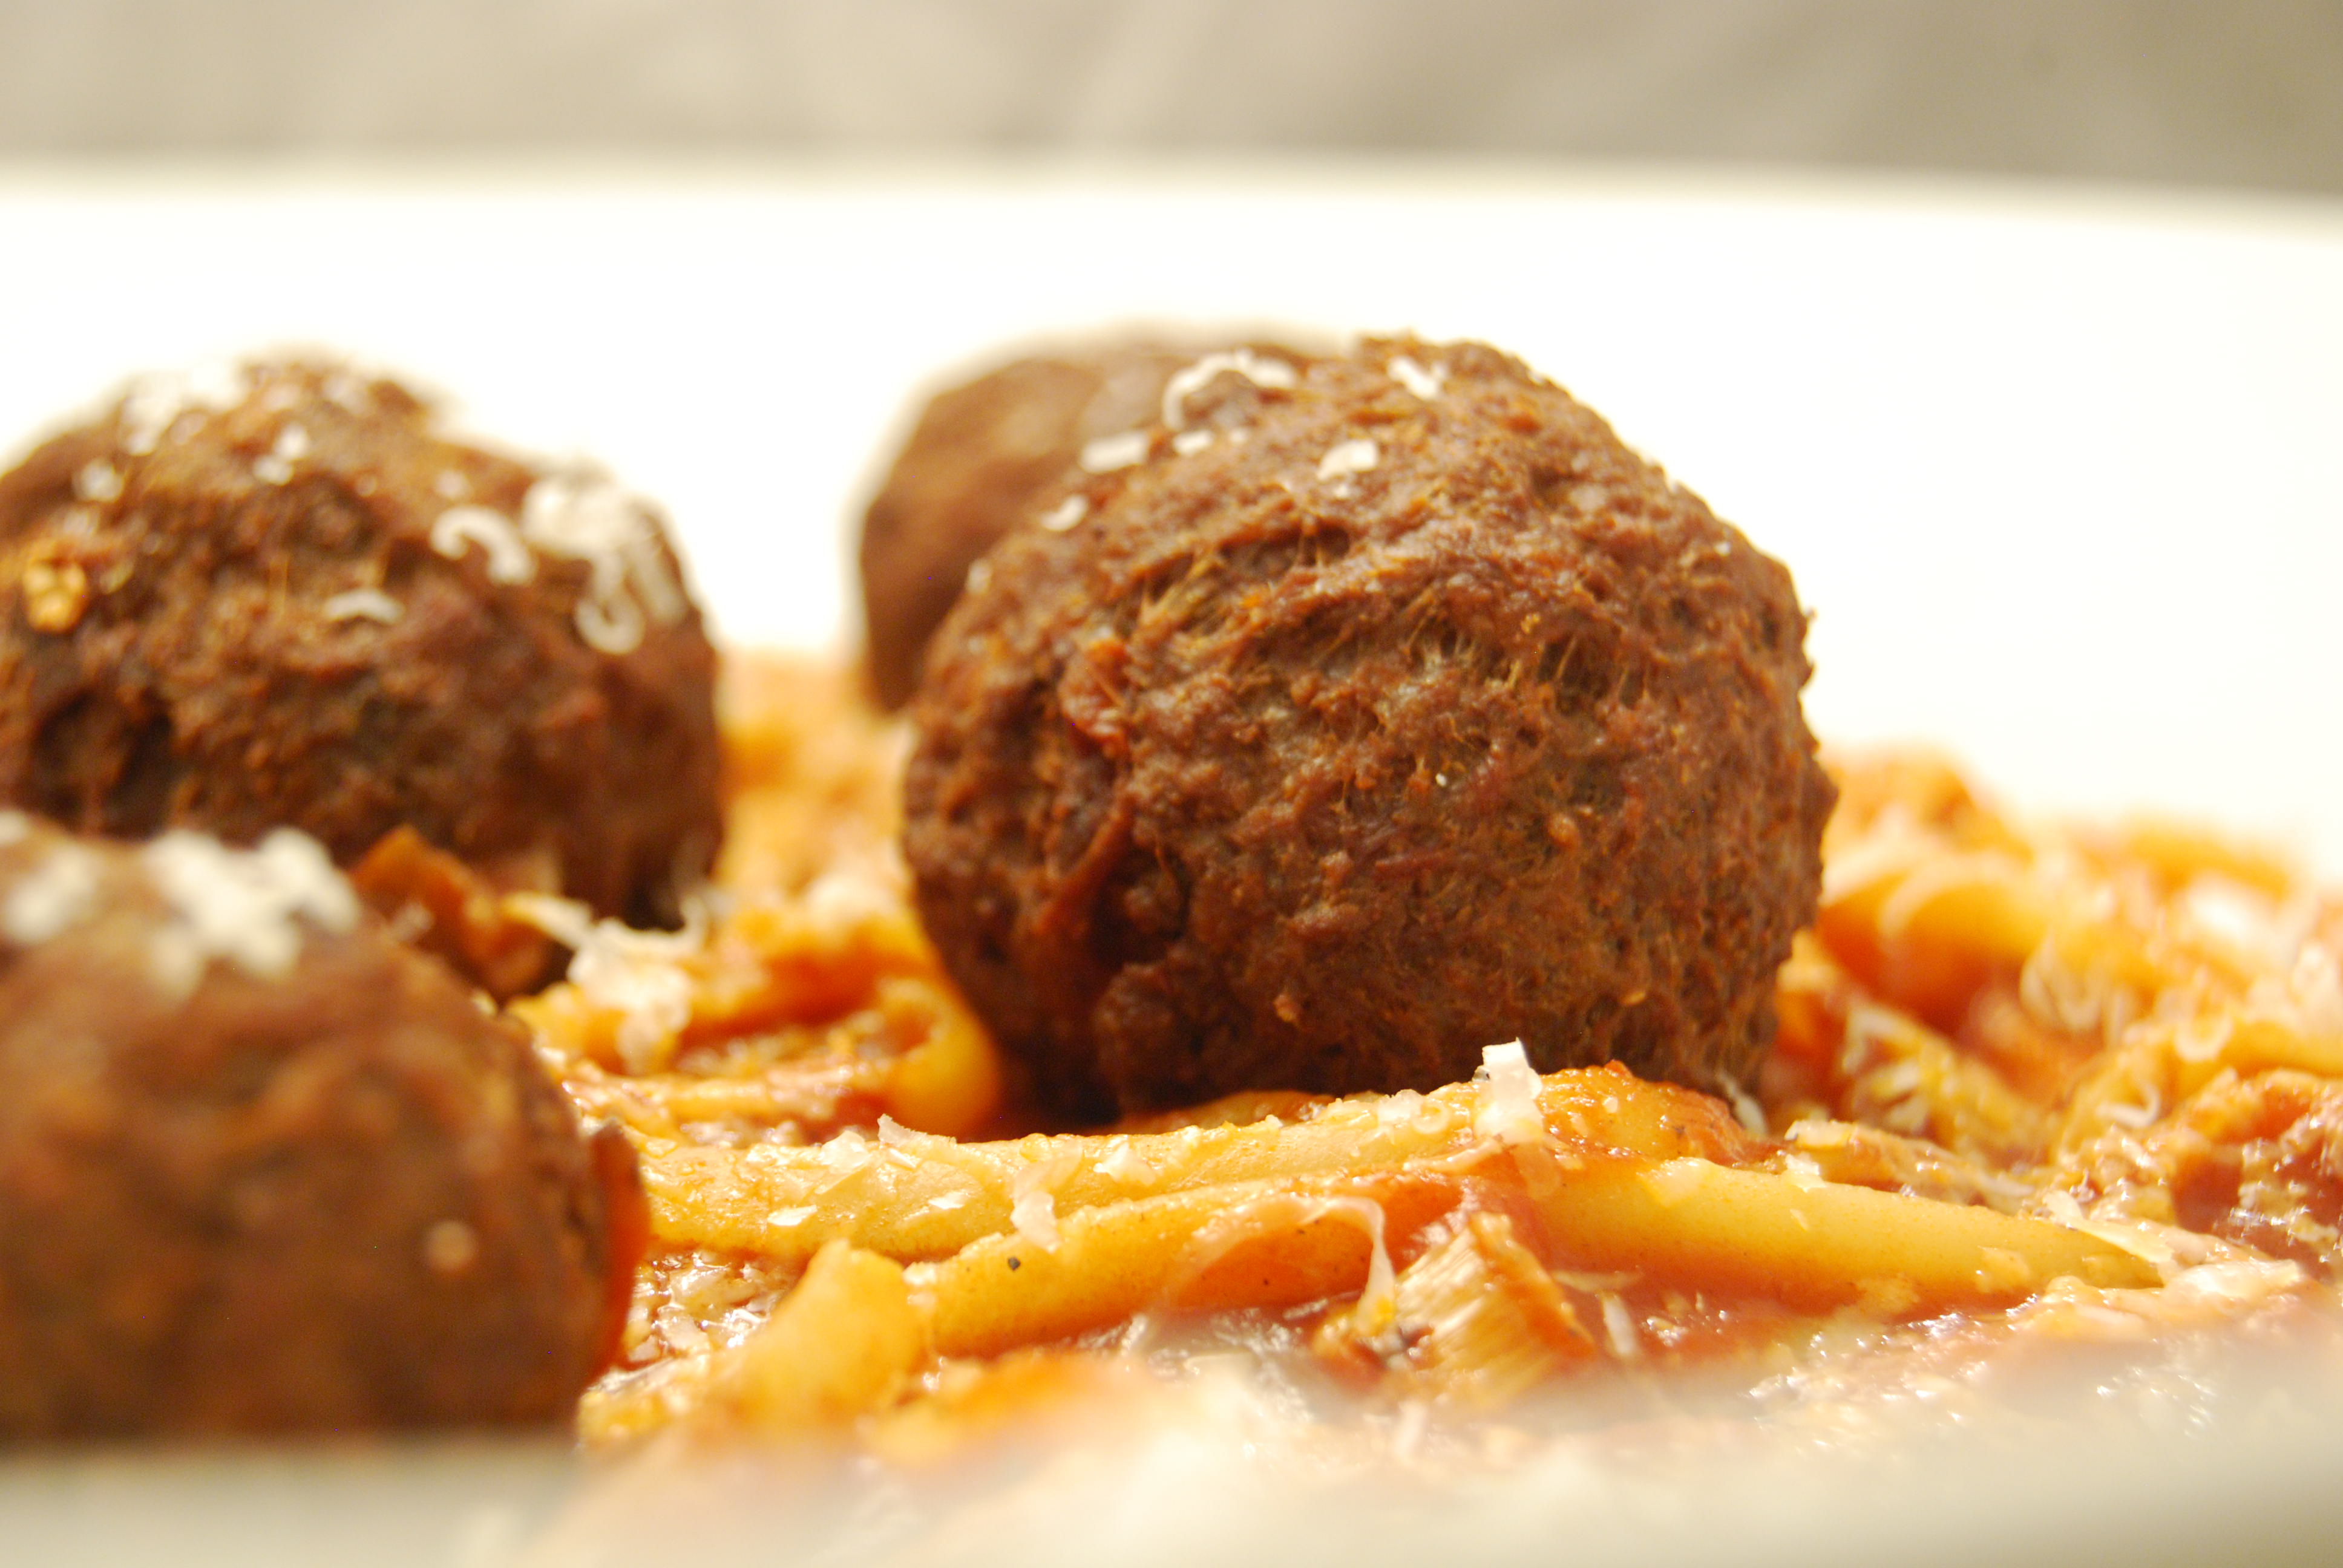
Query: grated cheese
2241	1283
2136	1237
1255	367
585	516
637	975
1746	1109
1396	1110
1506	1107
349	392
244	905
1619	1327
509	562
97	480
1108	453
292	445
1348	458
155	403
57	893
1057	519
1125	1163
1378	1305
1671	1182
1033	1202
1188	443
362	604
1423	383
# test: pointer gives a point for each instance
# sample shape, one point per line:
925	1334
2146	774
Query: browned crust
979	455
1256	779
342	1199
166	659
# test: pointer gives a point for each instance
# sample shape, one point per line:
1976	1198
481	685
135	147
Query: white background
2060	477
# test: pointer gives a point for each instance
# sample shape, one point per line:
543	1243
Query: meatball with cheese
264	1169
1362	711
282	594
978	456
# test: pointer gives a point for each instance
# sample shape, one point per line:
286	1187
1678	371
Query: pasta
2044	1080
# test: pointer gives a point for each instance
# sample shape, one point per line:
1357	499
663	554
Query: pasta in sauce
2032	1084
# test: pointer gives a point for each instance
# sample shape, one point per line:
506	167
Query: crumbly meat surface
1383	706
979	455
244	606
241	1197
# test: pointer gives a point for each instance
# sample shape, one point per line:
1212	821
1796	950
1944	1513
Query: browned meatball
282	596
262	1169
1376	709
978	456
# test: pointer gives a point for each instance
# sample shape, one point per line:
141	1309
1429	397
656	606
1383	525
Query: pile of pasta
2065	1082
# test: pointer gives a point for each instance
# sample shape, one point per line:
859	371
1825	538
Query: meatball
282	596
264	1169
1366	711
978	456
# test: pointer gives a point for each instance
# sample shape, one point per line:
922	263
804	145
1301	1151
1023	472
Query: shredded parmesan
1347	458
1746	1109
1393	1112
584	515
1255	367
1671	1182
156	403
1506	1105
1108	453
637	975
57	893
565	920
1125	1163
245	907
1378	1305
97	480
1058	518
1423	383
1033	1203
292	445
509	562
2134	1236
1619	1327
2243	1283
362	604
1188	443
349	392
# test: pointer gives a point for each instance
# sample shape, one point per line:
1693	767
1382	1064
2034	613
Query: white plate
2060	474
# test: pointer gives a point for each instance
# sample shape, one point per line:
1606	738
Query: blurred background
1986	314
2205	93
